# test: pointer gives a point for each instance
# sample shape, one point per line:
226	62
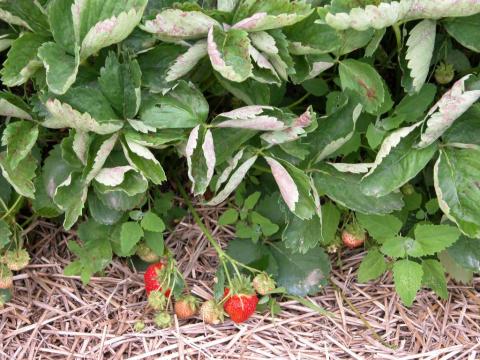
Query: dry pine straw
55	317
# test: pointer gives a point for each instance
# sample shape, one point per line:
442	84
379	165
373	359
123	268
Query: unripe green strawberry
263	284
211	312
16	259
163	319
353	236
139	326
408	189
157	300
444	73
146	254
186	307
6	277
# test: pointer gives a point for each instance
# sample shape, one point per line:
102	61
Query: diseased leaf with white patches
229	53
112	176
365	81
263	63
264	21
301	274
19	137
294	187
70	196
61	67
390	142
420	45
352	168
95	162
264	42
175	24
345	189
387	14
334	130
143	160
285	183
62	115
13	106
234	181
80	144
21	177
184	106
201	159
448	109
22	61
300	127
232	164
110	31
250	117
397	162
187	61
226	5
456	177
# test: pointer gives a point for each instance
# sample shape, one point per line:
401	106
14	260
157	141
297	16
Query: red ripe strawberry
154	278
353	236
186	307
240	304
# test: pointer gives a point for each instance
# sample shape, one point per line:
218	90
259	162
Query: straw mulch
55	317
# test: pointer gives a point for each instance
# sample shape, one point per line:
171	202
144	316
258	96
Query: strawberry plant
315	123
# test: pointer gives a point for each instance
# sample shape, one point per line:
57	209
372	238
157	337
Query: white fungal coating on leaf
288	188
387	14
209	154
187	61
420	43
62	115
389	143
449	108
112	176
175	24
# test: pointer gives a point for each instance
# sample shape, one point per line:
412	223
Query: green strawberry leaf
372	266
407	276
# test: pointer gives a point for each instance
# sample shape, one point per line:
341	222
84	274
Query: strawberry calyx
240	285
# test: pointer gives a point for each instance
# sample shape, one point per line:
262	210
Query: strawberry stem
222	255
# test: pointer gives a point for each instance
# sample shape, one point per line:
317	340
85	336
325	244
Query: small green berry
163	319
